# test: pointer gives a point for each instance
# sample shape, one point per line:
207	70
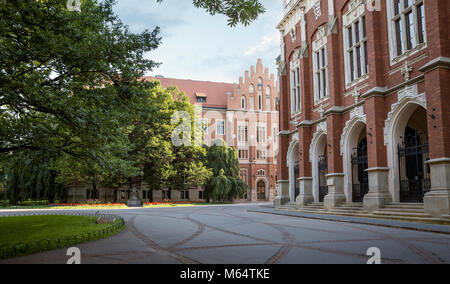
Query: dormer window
201	97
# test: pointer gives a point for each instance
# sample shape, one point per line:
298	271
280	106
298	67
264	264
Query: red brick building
243	115
364	103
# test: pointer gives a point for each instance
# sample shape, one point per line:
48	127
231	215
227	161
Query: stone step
402	210
350	208
403	214
405	205
446	216
348	211
354	204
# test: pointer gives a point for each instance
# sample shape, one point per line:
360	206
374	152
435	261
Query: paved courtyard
232	235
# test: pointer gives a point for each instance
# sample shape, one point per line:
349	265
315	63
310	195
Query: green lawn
28	229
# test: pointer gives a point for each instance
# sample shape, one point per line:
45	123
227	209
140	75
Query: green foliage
226	183
73	107
237	11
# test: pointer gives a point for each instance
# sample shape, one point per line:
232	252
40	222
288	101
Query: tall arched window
243	103
268	101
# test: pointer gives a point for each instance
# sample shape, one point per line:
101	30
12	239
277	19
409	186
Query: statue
134	200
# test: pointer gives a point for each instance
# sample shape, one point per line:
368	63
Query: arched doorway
413	152
294	170
261	190
360	177
322	165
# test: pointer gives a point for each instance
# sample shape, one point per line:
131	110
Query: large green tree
226	183
71	97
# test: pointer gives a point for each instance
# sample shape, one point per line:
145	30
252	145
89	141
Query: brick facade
391	94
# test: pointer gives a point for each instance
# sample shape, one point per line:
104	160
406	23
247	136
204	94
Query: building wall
381	100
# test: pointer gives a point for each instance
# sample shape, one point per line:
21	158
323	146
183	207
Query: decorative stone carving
408	94
355	95
356	9
321	129
356	115
321	38
406	71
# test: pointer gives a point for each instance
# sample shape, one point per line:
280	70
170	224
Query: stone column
306	197
336	194
437	202
282	193
378	195
437	86
378	171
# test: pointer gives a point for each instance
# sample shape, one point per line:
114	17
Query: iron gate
414	172
323	171
360	178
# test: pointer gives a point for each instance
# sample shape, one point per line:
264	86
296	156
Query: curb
353	220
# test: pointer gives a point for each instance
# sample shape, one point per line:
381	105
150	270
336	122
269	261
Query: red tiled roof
215	92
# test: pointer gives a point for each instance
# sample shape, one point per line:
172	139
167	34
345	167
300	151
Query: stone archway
399	117
351	137
261	190
318	155
294	170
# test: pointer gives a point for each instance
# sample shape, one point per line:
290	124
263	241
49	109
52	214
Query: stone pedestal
306	197
378	195
283	197
336	194
134	203
134	200
437	202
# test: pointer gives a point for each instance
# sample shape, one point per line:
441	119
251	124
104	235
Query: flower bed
88	206
172	204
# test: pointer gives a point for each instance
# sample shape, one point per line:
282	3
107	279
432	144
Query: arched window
261	173
243	103
260	83
268	100
251	89
260	101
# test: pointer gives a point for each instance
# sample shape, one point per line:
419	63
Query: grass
32	229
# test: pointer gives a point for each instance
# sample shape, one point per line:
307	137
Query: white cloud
267	41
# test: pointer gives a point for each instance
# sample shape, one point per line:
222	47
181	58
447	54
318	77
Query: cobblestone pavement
232	235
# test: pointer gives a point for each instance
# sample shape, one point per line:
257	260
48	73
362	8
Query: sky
198	46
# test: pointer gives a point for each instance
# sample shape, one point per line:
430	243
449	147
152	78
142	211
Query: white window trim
295	98
217	127
394	59
318	44
355	13
239	125
258	126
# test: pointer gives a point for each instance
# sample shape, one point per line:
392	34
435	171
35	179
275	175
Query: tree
70	90
68	79
226	183
237	11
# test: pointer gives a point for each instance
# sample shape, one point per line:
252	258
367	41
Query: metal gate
323	171
414	173
360	178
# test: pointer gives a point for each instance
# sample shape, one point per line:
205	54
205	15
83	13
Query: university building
365	104
243	115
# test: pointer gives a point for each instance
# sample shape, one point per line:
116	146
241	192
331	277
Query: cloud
267	41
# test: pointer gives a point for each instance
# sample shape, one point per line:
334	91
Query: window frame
220	122
394	40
